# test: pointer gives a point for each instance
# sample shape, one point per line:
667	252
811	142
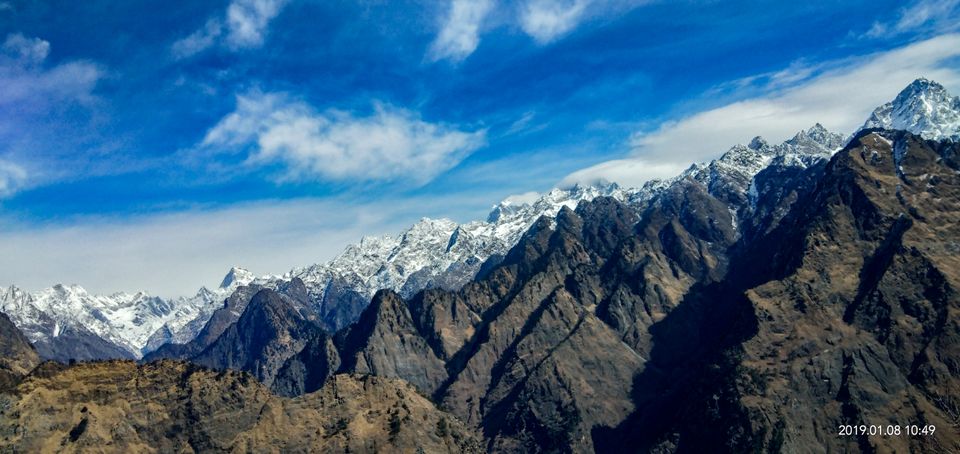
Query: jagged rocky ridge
431	254
443	254
663	329
66	322
728	178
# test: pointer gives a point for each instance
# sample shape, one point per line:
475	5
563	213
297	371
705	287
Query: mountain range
756	303
66	322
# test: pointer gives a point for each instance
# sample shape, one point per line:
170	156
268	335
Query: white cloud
391	144
545	20
33	97
938	16
198	41
520	199
839	97
26	50
12	178
460	34
29	86
243	26
247	21
626	172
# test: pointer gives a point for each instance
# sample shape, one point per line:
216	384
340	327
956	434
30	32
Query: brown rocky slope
168	406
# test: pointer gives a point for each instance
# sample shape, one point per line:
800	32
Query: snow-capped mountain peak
924	107
758	143
438	252
236	277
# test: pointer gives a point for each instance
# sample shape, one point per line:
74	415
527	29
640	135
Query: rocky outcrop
308	370
120	406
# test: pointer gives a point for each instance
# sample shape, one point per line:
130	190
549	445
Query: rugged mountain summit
119	406
924	108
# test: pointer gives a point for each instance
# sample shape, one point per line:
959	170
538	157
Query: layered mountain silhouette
754	304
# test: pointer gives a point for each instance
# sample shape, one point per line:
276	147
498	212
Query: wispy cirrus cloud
243	25
30	90
840	95
28	84
392	144
460	34
939	16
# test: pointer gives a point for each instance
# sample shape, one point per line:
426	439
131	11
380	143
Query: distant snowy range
66	322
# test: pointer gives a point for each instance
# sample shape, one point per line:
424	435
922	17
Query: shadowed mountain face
293	292
166	406
844	313
271	329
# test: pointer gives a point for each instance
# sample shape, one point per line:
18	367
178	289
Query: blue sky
153	144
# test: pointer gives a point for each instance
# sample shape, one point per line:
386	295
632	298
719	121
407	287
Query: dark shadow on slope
686	395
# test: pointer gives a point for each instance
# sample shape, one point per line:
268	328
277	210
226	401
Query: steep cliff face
860	321
119	406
